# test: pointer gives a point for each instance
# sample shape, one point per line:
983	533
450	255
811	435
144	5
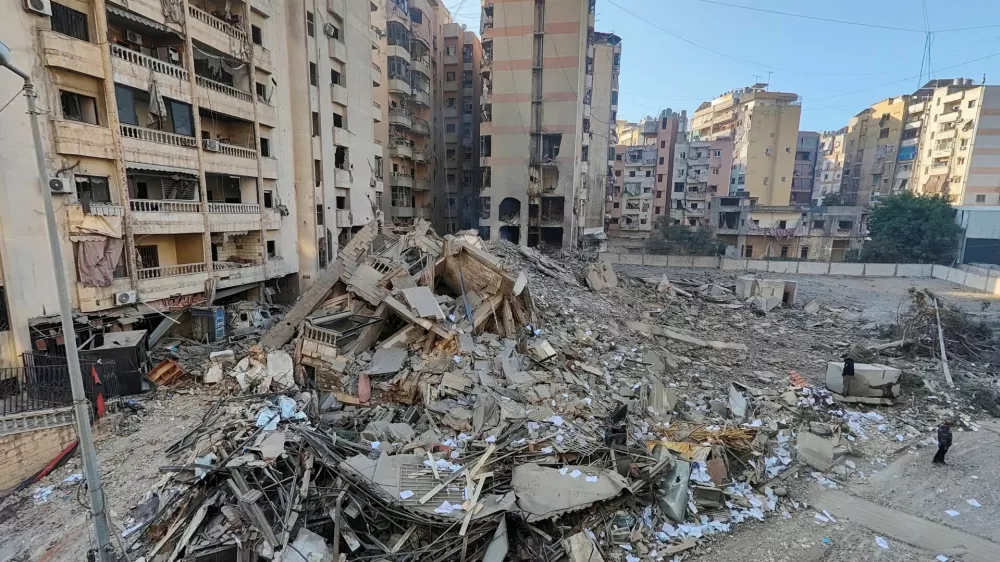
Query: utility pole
81	405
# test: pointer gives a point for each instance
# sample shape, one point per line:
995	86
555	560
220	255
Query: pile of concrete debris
426	407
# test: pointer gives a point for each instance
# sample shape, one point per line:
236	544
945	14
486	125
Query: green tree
908	228
679	239
833	200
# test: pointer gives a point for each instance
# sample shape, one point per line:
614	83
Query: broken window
92	189
78	107
550	146
845	225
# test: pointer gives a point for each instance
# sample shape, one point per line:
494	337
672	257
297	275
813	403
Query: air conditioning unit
133	37
62	186
329	30
210	145
125	297
43	7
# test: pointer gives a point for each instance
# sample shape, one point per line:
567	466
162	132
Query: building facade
196	154
871	151
457	196
829	165
538	97
701	168
803	175
959	150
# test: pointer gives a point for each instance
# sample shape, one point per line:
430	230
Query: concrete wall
25	452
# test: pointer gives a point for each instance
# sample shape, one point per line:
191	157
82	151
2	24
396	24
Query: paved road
919	532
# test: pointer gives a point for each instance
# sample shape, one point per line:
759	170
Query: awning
158	168
142	20
223	293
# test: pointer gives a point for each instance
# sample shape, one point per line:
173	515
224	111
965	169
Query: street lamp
80	403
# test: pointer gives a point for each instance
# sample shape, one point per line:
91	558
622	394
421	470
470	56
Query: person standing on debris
944	442
848	374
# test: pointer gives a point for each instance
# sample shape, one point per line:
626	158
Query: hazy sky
677	53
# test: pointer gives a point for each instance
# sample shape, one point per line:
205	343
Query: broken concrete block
387	361
281	369
746	286
871	384
543	350
815	450
544	493
812	307
600	276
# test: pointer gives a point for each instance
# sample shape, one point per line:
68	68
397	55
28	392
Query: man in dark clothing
848	374
944	442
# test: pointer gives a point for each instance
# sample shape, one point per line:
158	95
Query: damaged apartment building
174	158
542	167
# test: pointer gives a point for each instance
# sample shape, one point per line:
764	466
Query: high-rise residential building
539	97
870	151
196	154
601	128
646	146
409	54
701	167
336	168
829	165
764	126
959	149
803	175
457	191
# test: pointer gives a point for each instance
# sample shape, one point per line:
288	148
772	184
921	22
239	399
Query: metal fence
43	383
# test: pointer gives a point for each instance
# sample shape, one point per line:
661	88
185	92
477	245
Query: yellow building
764	127
871	150
196	150
829	165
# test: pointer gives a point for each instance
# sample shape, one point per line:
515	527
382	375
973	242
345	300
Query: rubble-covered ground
682	328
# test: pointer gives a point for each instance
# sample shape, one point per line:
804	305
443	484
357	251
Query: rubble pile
441	398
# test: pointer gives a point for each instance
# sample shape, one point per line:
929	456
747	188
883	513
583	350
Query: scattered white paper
491	439
587	401
828	516
951	512
627	547
375	444
406	494
454	454
882	543
556	421
942	558
77	477
446	508
899	437
547	450
575	474
592	479
630	558
821	518
973	502
564	470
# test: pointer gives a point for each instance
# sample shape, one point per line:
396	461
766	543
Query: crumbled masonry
445	399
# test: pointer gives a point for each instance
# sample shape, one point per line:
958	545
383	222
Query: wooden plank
944	352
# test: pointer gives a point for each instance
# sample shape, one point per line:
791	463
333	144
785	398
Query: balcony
231	274
399	86
63	51
420	155
267	114
344	218
376	75
341	137
166	217
269	167
341	178
451	86
152	10
400	118
131	68
338	50
949	117
263	59
942	152
152	146
944	135
272	219
262	6
401	212
83	139
229	158
468	91
421	65
206	28
399	180
421	127
233	217
422	185
401	150
337	8
952	98
338	94
398	51
916	108
224	98
161	282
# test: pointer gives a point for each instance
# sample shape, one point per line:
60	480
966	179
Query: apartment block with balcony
600	134
410	42
163	130
959	150
829	165
337	162
871	151
541	84
464	149
700	167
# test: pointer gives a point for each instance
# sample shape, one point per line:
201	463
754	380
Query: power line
723	53
845	22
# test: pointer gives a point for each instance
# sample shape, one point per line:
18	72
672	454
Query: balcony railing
209	19
157	206
231	265
224	89
153	135
171	270
154	64
229	149
244	208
